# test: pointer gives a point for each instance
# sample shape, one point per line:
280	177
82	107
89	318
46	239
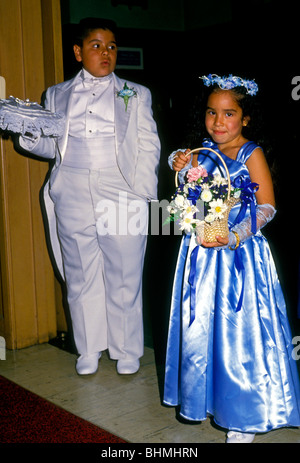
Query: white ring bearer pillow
26	117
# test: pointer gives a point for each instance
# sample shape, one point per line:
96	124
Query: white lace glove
264	214
183	171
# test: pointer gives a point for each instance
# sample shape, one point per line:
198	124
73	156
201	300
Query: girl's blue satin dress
235	365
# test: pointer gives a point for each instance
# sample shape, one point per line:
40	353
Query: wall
29	64
159	15
166	15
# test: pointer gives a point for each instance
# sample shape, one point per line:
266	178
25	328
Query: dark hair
249	105
255	130
87	25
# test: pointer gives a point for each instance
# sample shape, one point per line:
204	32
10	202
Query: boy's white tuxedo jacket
137	144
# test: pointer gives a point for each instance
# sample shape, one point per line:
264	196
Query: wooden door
30	61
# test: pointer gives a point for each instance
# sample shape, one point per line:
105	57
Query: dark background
255	39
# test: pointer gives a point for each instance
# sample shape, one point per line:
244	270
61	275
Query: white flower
186	189
187	186
189	210
237	193
217	208
187	222
218	180
209	218
206	195
179	201
171	209
206	186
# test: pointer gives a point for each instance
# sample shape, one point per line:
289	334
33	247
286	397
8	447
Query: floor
128	406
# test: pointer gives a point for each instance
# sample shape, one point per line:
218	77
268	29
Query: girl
234	361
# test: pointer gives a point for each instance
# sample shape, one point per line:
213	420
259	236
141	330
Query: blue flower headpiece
227	83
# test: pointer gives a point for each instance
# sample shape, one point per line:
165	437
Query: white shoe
234	437
88	364
128	367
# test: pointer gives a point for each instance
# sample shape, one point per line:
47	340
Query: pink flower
195	173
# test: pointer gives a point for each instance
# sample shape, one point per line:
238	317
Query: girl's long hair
251	106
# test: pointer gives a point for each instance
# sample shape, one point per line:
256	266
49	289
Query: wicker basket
219	227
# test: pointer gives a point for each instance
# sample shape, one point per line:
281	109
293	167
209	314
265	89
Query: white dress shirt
91	141
92	107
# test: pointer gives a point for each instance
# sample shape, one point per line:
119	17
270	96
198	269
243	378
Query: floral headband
227	83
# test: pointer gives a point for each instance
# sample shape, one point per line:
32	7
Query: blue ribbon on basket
194	193
192	281
248	189
247	199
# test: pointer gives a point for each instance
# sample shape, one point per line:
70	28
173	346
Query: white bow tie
90	81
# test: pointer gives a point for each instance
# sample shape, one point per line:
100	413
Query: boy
105	170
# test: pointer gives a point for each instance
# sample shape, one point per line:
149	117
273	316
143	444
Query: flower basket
219	227
218	197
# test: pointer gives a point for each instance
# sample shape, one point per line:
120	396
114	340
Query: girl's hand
181	160
220	242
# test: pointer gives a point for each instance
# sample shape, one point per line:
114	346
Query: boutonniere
126	93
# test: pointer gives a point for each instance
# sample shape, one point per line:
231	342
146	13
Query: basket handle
196	150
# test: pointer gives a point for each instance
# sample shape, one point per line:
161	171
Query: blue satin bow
194	194
247	198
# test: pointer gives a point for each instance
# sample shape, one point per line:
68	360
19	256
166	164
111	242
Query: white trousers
102	227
